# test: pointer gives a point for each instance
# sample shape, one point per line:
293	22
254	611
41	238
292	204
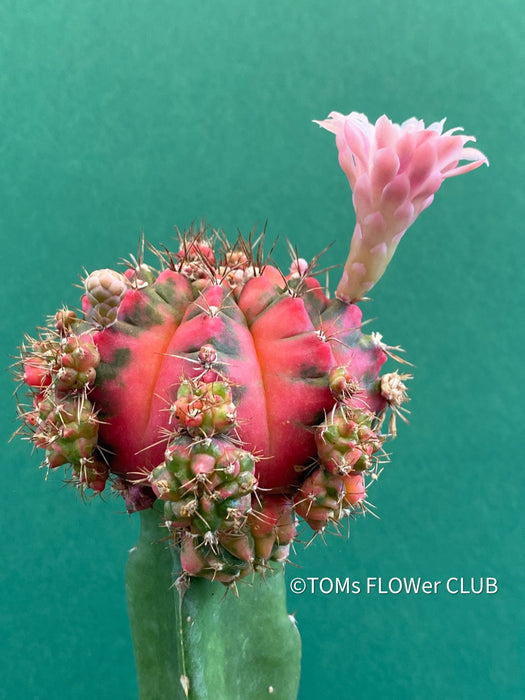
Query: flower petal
347	160
405	148
472	154
334	122
357	141
404	215
386	133
363	197
422	164
384	168
374	228
448	150
428	188
396	192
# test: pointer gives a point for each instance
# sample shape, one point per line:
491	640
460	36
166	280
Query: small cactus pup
235	406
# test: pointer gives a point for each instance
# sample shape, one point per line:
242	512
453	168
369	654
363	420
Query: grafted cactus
233	404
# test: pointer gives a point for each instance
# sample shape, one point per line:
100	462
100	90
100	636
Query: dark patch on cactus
143	312
107	371
226	345
174	293
312	373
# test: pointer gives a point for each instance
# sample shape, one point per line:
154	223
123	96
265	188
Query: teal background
123	117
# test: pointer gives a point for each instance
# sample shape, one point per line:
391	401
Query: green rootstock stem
229	648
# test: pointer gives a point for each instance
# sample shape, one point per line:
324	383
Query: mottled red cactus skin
236	396
275	346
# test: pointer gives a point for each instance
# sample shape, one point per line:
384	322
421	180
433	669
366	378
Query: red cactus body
274	346
214	362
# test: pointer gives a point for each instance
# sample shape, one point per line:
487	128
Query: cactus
217	385
224	399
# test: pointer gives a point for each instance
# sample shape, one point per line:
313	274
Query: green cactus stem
203	641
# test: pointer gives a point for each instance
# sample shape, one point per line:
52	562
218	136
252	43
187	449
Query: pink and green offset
237	407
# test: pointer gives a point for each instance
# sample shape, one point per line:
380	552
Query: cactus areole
233	402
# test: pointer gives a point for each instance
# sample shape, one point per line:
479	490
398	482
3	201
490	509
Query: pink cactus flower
394	171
